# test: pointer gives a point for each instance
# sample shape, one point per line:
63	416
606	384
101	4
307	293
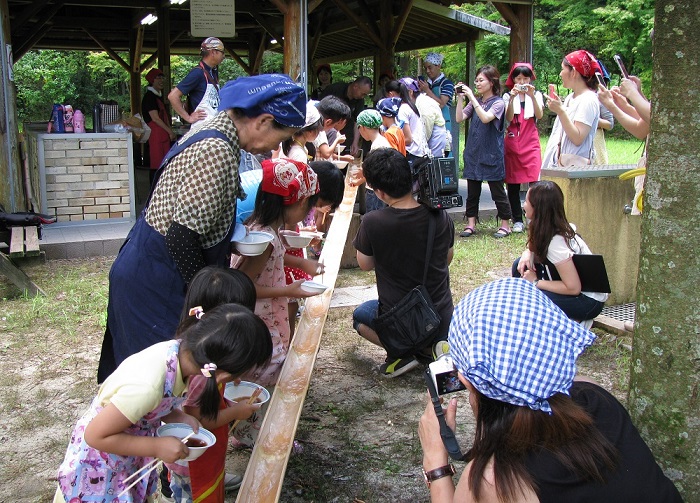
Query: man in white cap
439	88
201	85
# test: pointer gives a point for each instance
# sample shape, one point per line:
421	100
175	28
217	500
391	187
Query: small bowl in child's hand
197	443
242	392
295	239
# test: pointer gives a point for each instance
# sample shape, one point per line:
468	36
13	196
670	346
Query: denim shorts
365	313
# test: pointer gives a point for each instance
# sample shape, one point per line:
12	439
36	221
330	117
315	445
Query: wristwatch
534	283
438	473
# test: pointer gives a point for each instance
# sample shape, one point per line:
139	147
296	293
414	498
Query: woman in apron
523	159
187	222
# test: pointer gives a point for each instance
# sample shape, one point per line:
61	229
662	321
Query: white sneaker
518	227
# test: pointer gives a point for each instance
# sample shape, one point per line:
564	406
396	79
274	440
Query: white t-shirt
559	252
419	145
584	109
379	142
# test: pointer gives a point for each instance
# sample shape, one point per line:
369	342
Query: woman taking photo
523	157
541	435
552	242
483	151
571	141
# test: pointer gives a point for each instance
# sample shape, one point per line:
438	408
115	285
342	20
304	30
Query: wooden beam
259	56
281	6
267	26
370	16
507	13
313	4
239	60
358	21
138	47
401	21
109	51
38	30
18	21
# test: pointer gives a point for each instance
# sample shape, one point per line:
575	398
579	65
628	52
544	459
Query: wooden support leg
18	277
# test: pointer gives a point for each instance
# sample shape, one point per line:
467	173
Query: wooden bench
24	242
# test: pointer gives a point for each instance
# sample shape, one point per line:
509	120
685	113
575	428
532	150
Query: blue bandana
389	107
273	93
514	345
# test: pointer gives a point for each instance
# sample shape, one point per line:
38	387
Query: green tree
665	373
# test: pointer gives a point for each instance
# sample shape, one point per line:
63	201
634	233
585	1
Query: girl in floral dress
116	438
287	191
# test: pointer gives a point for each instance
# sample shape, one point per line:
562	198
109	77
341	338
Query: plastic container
56	124
68	117
78	122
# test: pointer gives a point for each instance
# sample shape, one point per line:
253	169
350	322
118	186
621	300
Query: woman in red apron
156	116
523	158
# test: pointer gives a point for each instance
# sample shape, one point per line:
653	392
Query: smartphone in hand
621	66
552	91
600	78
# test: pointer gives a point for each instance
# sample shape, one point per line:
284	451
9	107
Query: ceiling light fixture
149	19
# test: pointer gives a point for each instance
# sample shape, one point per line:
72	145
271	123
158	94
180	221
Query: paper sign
213	18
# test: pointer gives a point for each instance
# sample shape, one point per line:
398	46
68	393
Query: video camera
438	182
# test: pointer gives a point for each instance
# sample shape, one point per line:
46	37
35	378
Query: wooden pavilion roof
338	29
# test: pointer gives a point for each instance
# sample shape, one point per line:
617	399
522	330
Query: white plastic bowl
181	430
296	240
243	391
340	164
254	243
313	287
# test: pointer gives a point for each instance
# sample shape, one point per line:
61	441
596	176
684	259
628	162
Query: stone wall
595	204
86	176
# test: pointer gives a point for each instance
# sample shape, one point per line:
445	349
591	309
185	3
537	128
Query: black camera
438	183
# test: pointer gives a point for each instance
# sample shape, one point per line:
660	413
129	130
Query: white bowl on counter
254	243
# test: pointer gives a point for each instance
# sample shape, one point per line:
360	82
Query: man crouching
393	241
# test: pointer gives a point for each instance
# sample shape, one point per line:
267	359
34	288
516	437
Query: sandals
468	231
501	233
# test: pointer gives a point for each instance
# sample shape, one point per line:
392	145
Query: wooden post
11	194
292	38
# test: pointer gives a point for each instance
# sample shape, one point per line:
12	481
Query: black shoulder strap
429	244
179	147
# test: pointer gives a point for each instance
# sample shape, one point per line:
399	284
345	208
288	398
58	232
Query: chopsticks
155	463
252	398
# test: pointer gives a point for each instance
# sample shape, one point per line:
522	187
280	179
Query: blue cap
273	93
389	107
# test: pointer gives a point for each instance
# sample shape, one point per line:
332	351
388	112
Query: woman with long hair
571	141
409	118
552	242
483	150
541	435
523	158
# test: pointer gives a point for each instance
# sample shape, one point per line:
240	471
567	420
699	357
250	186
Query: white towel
529	107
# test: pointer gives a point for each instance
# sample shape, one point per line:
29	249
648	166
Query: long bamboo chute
262	482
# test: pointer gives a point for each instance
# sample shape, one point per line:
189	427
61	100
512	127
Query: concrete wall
85	176
595	205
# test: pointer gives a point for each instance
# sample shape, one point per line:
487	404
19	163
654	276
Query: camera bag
410	325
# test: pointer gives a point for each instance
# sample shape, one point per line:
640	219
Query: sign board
213	18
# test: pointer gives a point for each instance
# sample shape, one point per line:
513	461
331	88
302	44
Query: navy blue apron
146	290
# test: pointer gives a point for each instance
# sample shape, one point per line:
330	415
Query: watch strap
438	473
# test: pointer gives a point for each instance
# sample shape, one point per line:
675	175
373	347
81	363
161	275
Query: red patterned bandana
583	62
293	180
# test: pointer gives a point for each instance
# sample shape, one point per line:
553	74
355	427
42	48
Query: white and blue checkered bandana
514	344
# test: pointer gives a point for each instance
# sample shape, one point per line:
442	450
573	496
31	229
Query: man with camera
394	242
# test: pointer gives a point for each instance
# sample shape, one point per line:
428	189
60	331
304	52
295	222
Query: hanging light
149	19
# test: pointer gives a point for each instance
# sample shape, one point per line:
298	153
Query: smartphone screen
621	66
600	78
420	77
